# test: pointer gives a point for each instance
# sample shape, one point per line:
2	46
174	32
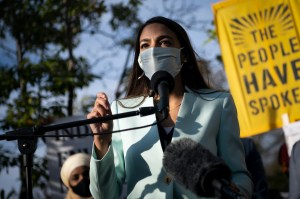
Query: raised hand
101	108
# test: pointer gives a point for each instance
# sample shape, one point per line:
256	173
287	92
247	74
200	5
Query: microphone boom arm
27	138
33	131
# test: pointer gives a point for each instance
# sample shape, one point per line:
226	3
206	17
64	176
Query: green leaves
124	14
8	83
39	83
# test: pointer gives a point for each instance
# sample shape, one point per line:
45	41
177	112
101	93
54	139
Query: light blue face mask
158	58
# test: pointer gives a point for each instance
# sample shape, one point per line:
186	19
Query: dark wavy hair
190	74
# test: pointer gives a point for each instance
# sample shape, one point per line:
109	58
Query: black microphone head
193	166
160	76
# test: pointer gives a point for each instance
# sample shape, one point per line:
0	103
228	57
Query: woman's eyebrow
158	38
144	40
165	37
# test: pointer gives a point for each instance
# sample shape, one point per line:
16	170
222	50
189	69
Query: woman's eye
165	43
74	177
143	46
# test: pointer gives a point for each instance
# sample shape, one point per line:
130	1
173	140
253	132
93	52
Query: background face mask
157	59
82	188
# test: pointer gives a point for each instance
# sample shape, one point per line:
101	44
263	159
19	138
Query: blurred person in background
256	168
75	176
294	172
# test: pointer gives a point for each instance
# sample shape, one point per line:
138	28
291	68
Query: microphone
197	169
162	83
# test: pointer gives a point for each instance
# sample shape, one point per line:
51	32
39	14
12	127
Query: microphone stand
226	190
27	138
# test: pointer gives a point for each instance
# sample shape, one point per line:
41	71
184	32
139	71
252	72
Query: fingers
101	108
102	104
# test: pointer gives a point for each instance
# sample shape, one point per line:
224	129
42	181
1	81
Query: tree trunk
71	61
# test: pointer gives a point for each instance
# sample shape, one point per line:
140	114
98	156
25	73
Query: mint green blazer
133	165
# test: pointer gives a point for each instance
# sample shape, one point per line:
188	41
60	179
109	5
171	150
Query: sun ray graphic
279	16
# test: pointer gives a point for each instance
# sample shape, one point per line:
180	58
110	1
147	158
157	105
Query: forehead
155	30
79	170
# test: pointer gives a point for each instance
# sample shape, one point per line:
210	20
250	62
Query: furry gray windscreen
193	166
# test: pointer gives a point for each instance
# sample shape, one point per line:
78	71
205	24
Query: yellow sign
260	47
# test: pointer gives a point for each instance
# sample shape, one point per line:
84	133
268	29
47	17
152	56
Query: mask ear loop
185	60
141	75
